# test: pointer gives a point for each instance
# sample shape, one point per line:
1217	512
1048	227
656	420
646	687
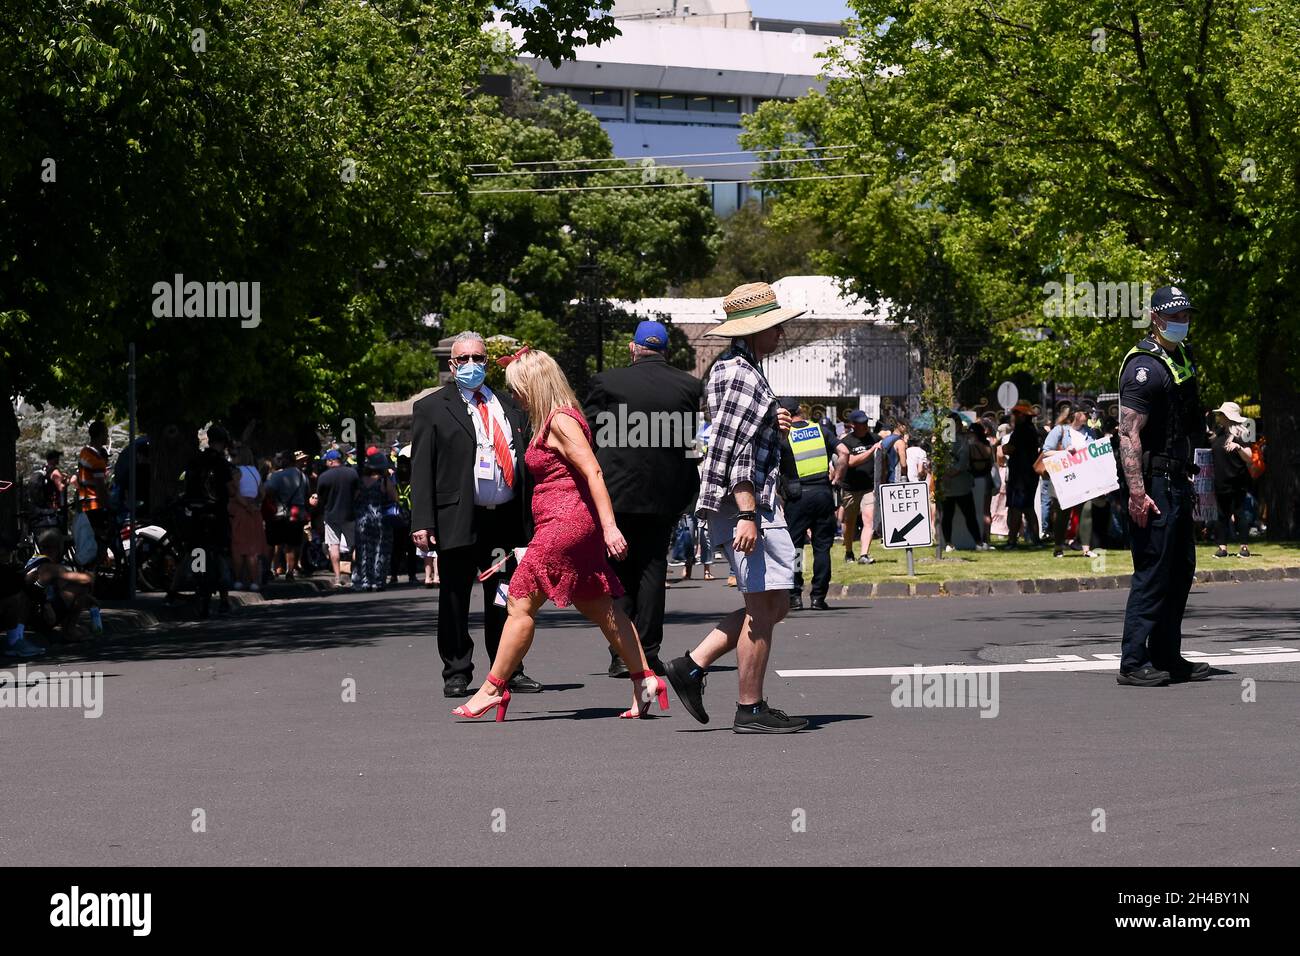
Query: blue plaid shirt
744	441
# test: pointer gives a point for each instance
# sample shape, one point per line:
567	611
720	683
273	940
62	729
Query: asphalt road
244	719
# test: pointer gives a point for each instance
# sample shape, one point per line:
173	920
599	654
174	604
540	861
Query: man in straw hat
739	498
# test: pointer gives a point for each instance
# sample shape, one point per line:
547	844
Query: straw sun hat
751	308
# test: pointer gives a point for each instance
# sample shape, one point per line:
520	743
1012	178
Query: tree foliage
1023	142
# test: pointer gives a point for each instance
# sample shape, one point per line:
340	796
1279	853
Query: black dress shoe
456	687
1144	676
521	683
656	665
618	669
796	602
819	604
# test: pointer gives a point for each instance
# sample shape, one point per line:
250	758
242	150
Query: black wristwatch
748	516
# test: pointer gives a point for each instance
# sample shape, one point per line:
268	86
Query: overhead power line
634	166
633	159
694	183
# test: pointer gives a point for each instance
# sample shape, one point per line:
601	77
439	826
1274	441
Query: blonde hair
539	379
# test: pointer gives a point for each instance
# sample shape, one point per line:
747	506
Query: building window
726	104
589	96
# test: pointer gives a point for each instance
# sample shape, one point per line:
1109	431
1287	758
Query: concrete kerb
126	619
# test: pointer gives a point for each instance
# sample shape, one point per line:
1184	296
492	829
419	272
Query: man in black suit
644	418
470	501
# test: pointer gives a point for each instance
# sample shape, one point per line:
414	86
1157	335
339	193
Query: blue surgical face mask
1175	332
471	375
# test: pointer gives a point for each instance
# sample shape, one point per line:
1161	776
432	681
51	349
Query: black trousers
459	569
643	573
1232	504
967	504
813	510
1164	567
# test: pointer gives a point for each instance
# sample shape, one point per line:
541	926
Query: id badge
485	466
503	594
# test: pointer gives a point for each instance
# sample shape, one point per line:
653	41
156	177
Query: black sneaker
1184	671
1144	676
689	680
456	686
1244	552
761	719
1221	553
521	683
796	601
849	558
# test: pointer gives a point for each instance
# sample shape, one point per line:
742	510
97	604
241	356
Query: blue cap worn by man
651	335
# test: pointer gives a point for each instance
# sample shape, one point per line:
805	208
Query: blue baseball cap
332	455
858	417
652	335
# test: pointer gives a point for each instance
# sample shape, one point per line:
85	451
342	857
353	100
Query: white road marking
1287	657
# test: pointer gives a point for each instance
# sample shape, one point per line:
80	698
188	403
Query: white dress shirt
490	492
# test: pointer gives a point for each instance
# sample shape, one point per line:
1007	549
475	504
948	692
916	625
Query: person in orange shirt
92	483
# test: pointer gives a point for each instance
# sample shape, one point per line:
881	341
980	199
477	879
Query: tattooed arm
1130	456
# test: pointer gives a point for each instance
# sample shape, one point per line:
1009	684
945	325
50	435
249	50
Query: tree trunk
1280	405
9	470
171	446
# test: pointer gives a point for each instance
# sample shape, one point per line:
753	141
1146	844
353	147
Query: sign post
1008	394
905	517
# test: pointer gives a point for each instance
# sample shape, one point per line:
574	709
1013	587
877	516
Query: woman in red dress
574	534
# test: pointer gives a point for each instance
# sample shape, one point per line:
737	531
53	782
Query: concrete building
675	85
843	352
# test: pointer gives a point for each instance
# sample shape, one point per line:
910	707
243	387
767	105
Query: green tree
261	141
1030	140
754	249
537	265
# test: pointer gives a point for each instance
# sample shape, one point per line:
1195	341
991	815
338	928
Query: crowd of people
239	523
513	491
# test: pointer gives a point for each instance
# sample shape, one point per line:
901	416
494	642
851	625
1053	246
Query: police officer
1161	424
809	501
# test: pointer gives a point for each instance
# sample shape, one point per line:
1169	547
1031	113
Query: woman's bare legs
621	634
516	638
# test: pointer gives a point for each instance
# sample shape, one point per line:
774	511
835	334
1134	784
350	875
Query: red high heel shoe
644	698
501	703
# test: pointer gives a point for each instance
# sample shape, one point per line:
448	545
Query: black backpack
40	491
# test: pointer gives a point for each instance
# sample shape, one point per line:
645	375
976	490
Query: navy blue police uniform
1162	386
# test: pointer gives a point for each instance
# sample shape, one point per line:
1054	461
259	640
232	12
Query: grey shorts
770	567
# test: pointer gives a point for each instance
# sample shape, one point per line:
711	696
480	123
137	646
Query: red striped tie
498	440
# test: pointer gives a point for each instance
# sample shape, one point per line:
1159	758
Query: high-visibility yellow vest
809	449
1181	371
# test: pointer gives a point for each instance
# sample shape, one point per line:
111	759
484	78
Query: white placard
905	515
1083	474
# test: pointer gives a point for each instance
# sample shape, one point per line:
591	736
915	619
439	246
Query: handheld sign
905	515
1082	473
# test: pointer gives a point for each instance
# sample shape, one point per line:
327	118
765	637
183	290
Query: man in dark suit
644	418
470	501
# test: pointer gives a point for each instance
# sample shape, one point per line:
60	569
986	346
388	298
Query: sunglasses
476	359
